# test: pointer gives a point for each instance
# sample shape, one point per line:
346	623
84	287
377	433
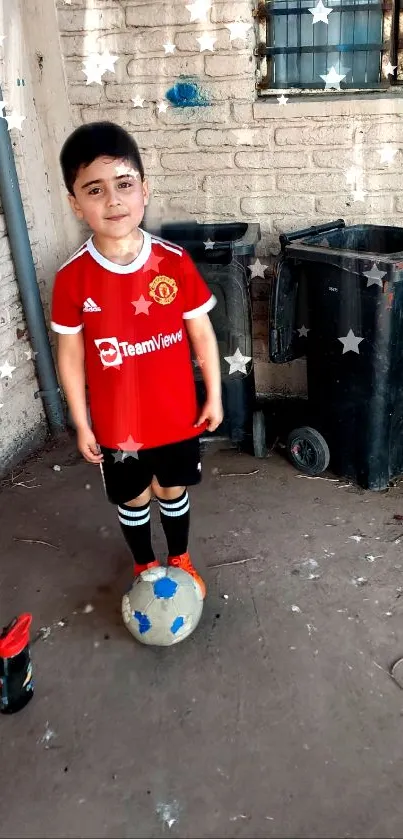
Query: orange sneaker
137	568
183	561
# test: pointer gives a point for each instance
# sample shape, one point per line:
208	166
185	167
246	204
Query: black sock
136	528
175	519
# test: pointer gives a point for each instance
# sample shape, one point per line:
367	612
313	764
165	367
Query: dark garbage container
337	299
222	253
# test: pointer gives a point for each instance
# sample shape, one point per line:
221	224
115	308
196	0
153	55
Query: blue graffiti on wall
186	93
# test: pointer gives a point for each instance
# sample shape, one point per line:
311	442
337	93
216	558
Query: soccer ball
163	606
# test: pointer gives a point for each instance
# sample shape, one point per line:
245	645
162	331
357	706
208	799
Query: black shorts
177	464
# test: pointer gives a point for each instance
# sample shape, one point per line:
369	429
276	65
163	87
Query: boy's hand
88	446
212	413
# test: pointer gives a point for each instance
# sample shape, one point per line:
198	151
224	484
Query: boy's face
110	196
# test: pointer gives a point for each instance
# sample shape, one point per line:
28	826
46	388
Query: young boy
122	306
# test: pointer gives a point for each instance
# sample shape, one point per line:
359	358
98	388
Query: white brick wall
239	157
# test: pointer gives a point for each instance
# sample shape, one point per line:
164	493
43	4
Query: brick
233	137
238	184
383	181
186	41
173	183
241	112
141	117
213	206
75	73
271	160
198	115
170	67
86	20
76	45
196	161
311	182
243	89
338	133
91	94
228	12
168	14
165	139
339	205
124	92
337	159
399	203
376	132
225	66
276	203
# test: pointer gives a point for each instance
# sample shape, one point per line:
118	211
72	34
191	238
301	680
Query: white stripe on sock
134	522
133	512
174	505
175	513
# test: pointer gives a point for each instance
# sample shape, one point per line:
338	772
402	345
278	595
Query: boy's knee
166	493
142	499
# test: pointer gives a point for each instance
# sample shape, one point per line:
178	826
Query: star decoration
124	169
138	102
350	342
206	42
332	79
387	154
96	64
142	305
169	49
198	362
389	69
359	195
320	13
353	174
129	448
153	262
30	354
237	362
15	120
238	30
282	100
303	332
209	245
162	107
6	371
374	276
257	269
198	9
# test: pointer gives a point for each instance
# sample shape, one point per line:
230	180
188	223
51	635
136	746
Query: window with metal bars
353	50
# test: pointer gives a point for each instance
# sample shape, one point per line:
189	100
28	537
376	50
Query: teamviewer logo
109	351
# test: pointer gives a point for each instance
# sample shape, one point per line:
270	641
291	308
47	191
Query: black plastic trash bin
222	253
338	300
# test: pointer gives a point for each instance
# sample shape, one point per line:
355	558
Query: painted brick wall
238	158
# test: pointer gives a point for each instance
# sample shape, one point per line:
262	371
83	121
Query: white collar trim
137	263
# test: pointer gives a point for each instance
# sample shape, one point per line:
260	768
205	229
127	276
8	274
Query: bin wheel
308	450
259	434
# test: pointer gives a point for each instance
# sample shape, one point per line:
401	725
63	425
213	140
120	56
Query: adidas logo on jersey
90	305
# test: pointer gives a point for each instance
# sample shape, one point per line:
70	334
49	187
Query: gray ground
277	718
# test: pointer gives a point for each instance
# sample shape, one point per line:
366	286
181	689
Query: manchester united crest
163	290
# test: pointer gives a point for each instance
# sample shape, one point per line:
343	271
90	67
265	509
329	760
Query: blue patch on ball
177	625
143	621
165	588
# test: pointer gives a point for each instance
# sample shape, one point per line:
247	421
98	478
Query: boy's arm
202	337
70	362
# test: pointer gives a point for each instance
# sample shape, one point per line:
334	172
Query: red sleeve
66	309
197	296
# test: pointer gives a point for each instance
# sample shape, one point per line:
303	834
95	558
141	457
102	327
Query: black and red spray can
16	683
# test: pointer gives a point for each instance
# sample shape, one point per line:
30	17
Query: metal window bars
296	52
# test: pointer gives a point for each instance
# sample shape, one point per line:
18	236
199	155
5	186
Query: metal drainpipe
11	202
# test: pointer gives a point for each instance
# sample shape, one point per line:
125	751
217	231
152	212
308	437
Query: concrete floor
277	718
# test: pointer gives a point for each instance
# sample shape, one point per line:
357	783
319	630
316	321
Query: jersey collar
137	263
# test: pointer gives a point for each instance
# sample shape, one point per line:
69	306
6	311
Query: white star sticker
6	371
198	9
206	42
93	72
15	120
332	79
123	169
30	354
169	49
237	362
96	64
257	269
138	102
303	332
142	305
350	342
238	30
353	174
320	13
162	107
108	61
374	276
387	154
282	100
389	69
208	245
359	195
129	448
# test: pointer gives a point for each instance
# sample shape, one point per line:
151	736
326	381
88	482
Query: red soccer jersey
137	355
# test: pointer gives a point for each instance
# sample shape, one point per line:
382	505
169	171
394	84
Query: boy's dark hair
97	139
